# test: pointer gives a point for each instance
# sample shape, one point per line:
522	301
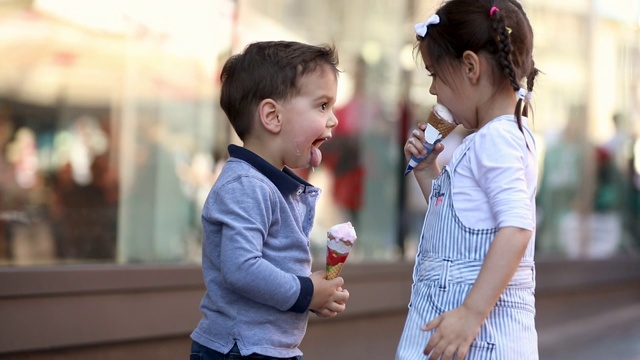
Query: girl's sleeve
500	169
244	209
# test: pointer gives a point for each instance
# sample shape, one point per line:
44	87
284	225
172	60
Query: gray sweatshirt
256	259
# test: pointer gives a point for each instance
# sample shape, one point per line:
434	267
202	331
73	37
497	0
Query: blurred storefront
108	125
111	136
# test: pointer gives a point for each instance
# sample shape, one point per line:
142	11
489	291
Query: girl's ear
268	112
471	66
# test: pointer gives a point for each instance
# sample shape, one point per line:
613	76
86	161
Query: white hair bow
421	28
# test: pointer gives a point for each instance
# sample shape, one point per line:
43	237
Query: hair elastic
522	94
494	9
421	28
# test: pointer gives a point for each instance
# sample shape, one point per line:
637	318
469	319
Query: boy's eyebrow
328	98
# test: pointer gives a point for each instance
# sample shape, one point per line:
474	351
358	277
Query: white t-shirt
495	182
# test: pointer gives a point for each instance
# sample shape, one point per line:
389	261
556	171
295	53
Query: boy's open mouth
316	155
320	141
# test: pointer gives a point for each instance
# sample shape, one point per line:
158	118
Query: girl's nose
432	89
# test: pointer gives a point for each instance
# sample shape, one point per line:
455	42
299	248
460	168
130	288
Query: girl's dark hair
504	35
267	70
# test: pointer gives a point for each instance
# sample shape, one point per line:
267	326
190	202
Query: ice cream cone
441	119
334	271
440	125
340	239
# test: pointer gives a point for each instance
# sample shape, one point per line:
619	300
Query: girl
474	278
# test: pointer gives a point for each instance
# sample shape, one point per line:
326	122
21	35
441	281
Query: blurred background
111	136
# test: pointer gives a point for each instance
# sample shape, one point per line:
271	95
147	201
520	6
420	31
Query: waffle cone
444	127
334	271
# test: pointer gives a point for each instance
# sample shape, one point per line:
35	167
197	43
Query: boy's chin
311	160
307	166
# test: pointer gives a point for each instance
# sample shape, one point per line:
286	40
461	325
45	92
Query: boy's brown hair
267	70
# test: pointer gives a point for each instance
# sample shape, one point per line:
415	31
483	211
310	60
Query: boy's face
308	118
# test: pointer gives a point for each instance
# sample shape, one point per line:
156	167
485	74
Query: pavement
614	334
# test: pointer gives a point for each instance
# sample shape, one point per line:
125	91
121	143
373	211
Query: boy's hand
328	296
335	307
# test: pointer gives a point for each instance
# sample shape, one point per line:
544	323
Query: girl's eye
323	106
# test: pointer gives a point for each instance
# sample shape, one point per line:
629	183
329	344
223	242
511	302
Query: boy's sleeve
244	209
304	298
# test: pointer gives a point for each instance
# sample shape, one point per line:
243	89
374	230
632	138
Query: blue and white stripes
449	259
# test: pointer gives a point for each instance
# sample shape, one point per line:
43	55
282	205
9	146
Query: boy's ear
471	66
268	111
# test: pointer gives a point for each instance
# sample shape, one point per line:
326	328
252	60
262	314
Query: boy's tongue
316	157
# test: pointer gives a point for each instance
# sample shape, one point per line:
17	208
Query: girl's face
308	118
451	90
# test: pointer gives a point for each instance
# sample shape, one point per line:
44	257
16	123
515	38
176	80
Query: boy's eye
323	106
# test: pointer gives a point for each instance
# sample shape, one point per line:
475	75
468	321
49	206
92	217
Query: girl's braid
533	73
501	33
531	78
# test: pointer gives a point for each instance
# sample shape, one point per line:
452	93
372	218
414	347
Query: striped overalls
447	264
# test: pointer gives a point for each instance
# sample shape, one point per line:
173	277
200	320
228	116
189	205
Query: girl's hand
415	147
455	331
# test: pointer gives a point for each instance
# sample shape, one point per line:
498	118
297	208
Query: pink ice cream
340	239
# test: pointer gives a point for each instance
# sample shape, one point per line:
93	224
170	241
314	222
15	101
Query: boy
279	98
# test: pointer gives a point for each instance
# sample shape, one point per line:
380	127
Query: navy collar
285	180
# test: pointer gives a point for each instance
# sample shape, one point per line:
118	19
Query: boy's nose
333	120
